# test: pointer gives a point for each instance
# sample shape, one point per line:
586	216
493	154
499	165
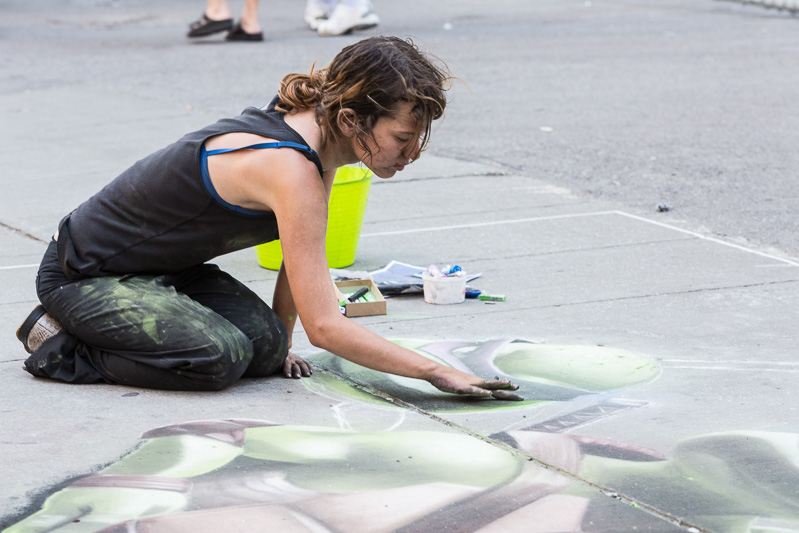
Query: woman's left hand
296	367
449	379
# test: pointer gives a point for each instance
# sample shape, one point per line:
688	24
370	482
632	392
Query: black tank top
163	215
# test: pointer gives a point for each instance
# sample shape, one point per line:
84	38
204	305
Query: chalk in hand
506	395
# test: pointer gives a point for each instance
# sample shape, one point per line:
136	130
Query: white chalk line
734	369
710	239
484	224
708	361
732	366
580	215
11	267
541	219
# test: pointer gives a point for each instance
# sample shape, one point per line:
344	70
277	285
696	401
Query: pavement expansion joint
21	232
486	174
514	310
479	160
511	450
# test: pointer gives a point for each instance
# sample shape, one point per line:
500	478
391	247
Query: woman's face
393	144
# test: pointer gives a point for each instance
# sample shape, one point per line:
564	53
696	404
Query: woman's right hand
296	367
451	380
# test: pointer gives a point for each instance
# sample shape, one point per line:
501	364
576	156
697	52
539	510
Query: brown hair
370	77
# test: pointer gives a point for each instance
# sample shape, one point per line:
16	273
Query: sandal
206	26
238	34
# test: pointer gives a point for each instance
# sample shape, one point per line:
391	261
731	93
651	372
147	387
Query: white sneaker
315	12
345	19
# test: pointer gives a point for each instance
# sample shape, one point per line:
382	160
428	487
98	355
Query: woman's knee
270	347
210	366
224	360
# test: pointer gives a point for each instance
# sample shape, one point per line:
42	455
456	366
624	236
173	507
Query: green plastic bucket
344	220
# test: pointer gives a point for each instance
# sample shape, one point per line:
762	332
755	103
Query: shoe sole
314	24
357	27
24	330
313	21
369	21
246	37
217	26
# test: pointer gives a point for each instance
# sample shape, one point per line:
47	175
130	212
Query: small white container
444	290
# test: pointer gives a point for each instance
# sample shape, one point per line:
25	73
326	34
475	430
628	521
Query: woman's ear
346	122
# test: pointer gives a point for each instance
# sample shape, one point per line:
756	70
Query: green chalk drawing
588	368
251	475
257	476
89	509
724	481
545	373
225	463
434	457
176	457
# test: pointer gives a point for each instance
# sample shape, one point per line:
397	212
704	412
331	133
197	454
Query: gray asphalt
570	124
688	103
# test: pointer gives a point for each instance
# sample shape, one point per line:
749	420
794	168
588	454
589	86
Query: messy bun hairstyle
370	77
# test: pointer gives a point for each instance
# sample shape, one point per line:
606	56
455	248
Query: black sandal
206	26
238	34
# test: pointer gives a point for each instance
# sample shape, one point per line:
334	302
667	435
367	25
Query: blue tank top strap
209	186
280	144
207	176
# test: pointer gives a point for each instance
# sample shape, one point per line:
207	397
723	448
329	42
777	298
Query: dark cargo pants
199	329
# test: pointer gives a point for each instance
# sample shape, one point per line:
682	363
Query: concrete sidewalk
657	363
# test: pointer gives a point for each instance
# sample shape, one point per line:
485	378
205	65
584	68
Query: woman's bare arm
300	202
283	306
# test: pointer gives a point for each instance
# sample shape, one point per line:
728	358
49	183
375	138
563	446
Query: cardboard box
375	306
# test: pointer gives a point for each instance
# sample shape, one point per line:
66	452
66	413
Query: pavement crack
22	232
669	293
633	502
478	174
591	302
482	160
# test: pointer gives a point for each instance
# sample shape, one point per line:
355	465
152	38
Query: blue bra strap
281	144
